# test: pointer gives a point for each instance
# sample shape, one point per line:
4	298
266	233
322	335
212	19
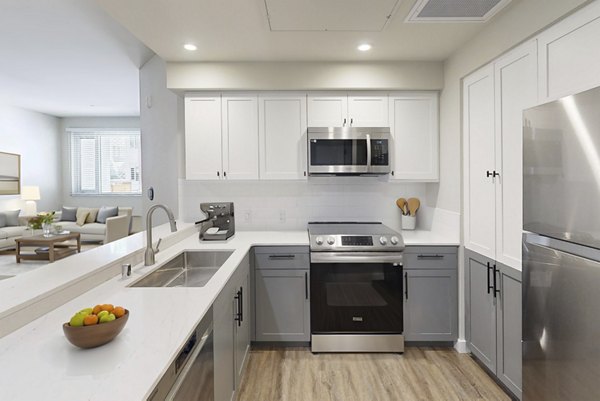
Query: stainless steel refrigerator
561	249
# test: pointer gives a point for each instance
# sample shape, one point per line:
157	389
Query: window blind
105	162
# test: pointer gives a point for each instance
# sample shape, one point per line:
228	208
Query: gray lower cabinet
232	332
494	318
282	294
430	294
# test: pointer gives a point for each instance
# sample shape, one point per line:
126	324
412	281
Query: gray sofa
114	228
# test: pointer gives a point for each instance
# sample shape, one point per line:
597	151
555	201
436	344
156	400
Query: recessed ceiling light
364	47
189	46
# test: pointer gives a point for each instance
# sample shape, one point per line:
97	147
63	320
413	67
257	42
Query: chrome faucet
150	252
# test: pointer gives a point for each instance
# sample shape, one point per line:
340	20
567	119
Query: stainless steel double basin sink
187	269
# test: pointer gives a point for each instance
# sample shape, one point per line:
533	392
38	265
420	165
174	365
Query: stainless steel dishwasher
190	377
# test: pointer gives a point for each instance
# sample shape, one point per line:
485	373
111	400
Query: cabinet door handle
239	316
241	305
496	290
436	256
344	123
488	174
282	257
305	173
495	174
489	287
351	121
406	285
224	173
306	285
392	172
218	174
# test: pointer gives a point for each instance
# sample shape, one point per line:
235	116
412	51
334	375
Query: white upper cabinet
340	109
368	110
221	137
479	163
240	136
282	136
414	126
327	110
515	91
494	98
203	137
569	55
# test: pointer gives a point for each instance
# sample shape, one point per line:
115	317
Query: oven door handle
356	257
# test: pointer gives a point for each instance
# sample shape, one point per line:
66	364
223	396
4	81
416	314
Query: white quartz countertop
37	362
430	238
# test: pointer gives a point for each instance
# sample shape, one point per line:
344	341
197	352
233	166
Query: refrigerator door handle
489	287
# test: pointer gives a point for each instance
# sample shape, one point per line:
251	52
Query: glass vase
46	228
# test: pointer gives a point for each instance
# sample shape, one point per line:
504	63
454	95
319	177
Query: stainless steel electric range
356	287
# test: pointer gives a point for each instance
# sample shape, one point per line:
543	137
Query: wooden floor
420	374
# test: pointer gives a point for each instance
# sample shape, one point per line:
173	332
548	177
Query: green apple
86	311
108	317
77	320
102	314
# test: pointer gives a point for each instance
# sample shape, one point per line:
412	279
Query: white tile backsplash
289	205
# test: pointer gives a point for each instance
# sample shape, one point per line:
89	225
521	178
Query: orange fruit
108	307
90	320
119	311
97	309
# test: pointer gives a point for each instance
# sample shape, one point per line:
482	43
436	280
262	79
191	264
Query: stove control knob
330	240
319	240
382	240
394	240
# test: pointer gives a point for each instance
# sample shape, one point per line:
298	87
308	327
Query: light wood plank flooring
420	374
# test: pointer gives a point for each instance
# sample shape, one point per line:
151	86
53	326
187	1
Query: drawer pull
436	256
282	257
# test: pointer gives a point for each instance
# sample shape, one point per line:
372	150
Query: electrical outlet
247	216
282	216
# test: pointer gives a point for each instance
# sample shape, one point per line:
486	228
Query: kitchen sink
187	269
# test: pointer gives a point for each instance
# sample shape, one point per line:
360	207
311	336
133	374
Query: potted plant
44	221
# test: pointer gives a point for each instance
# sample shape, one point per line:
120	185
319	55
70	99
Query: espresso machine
219	223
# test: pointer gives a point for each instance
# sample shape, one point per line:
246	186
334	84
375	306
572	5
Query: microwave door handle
368	153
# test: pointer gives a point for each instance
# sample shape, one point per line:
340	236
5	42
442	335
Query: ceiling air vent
455	10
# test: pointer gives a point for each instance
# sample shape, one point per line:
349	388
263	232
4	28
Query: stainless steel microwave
349	151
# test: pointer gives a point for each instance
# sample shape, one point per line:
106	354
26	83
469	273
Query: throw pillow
68	214
12	218
81	211
2	220
106	212
81	217
93	212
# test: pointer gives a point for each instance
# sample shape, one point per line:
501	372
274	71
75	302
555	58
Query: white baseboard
461	346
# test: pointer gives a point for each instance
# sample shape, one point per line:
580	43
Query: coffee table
57	249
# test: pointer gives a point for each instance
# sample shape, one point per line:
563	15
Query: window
106	162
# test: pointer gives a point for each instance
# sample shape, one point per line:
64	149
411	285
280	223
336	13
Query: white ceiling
238	30
68	58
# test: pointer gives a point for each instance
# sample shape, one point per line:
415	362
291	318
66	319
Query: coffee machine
220	221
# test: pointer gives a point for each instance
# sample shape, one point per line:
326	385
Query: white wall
35	136
401	75
161	119
290	205
93	201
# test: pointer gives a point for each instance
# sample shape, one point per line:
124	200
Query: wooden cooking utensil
401	203
413	206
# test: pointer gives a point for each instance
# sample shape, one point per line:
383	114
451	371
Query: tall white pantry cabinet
494	98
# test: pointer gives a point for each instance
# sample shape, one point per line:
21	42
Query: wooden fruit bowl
95	335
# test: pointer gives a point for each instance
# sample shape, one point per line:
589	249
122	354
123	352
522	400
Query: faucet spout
149	255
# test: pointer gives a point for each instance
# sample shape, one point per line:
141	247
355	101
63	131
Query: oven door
360	295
